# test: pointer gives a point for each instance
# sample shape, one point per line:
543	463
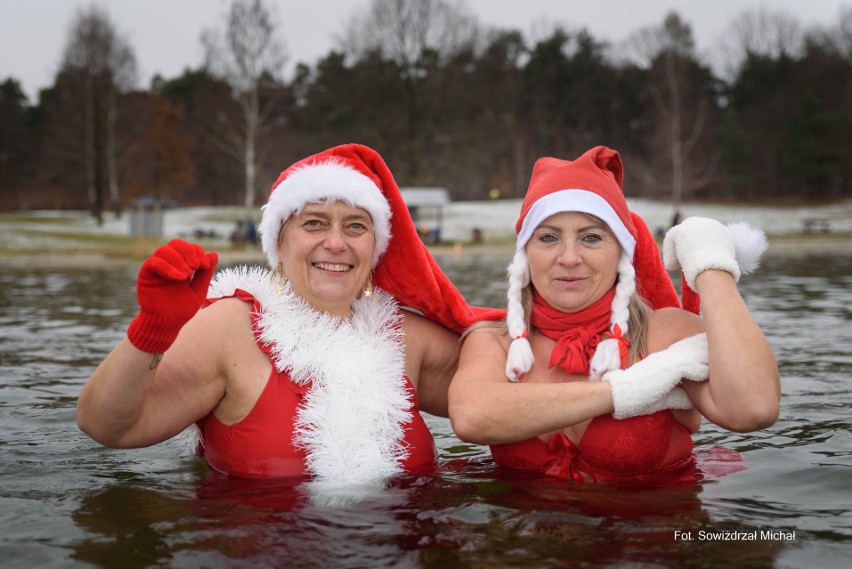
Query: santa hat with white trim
402	265
330	178
591	184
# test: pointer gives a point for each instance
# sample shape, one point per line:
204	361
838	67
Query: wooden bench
816	225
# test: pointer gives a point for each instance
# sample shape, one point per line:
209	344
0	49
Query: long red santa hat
590	184
402	265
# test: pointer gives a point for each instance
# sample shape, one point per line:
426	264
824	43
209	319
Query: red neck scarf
577	334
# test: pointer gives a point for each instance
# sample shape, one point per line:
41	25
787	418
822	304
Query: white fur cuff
699	244
639	389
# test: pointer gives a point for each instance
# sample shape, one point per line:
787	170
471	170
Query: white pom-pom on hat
749	245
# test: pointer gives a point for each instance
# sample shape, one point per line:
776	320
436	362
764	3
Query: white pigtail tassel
520	358
607	356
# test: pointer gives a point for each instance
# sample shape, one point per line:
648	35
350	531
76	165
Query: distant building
426	206
146	216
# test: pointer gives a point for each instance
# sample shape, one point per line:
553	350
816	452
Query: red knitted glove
171	286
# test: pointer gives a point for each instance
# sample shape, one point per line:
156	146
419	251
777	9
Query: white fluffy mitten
699	244
646	386
674	399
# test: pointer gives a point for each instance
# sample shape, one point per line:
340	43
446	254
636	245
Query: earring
279	278
369	290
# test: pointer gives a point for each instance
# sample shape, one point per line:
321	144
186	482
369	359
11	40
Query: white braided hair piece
607	356
520	358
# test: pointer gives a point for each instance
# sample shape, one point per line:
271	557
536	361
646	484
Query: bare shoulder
486	340
227	310
412	321
220	329
483	356
489	333
427	339
669	325
417	327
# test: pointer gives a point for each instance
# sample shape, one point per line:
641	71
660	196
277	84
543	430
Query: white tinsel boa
351	420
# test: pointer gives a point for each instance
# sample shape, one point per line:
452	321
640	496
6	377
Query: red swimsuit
652	448
261	444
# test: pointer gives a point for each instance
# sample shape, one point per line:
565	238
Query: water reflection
65	500
478	518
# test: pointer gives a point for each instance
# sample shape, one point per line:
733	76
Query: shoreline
822	244
95	257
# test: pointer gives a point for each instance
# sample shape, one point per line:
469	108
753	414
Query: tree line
447	102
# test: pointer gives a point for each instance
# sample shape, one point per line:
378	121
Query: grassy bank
66	239
85	249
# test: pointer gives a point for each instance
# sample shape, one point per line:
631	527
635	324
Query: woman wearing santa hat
309	367
581	309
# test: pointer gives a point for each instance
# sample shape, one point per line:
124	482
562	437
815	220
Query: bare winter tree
100	66
843	33
674	36
417	37
681	109
760	32
250	57
837	38
402	30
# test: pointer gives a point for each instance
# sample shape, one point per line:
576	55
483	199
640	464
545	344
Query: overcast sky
164	34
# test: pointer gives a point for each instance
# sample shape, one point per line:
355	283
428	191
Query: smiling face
325	252
573	260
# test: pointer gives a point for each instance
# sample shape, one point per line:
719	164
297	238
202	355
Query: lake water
67	502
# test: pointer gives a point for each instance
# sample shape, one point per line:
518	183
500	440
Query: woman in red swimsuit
581	307
307	368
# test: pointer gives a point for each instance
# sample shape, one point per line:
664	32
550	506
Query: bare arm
486	409
431	359
135	399
744	388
